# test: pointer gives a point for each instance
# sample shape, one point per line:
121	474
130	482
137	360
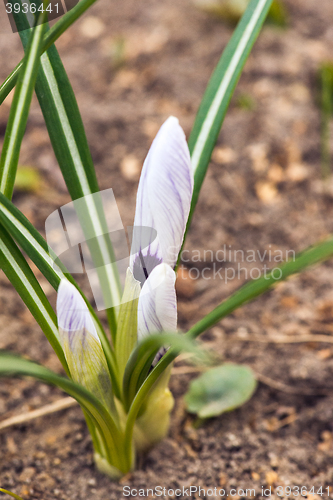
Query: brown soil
262	192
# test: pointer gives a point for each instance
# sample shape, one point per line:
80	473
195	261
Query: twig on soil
280	386
182	370
282	423
60	404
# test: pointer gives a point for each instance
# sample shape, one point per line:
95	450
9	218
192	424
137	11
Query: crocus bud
80	342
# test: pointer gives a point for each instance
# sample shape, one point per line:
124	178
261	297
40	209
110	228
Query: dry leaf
266	192
289	302
224	155
130	167
297	172
275	173
271	477
258	154
92	27
324	354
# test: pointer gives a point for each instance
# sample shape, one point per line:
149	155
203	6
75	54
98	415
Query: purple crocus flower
163	204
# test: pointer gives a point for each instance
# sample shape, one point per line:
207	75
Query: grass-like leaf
20	275
252	289
220	88
19	111
142	356
67	134
14	366
140	362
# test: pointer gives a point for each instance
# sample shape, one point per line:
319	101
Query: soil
132	64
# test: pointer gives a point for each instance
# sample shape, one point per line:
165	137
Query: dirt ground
132	64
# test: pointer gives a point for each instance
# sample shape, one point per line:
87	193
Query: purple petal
157	308
164	194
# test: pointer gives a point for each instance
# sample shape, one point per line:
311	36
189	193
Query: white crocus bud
80	342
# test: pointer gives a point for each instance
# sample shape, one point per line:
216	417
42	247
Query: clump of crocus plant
149	304
122	383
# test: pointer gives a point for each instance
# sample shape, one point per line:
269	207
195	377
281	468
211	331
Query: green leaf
67	134
20	275
14	366
10	493
31	241
53	34
220	88
143	392
19	110
220	389
142	356
312	255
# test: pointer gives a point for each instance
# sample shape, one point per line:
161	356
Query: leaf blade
65	127
19	111
20	275
252	289
218	93
12	365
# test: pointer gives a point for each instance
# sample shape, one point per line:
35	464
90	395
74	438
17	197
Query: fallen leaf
275	173
224	155
130	167
289	302
92	27
324	354
258	154
297	172
271	477
266	192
